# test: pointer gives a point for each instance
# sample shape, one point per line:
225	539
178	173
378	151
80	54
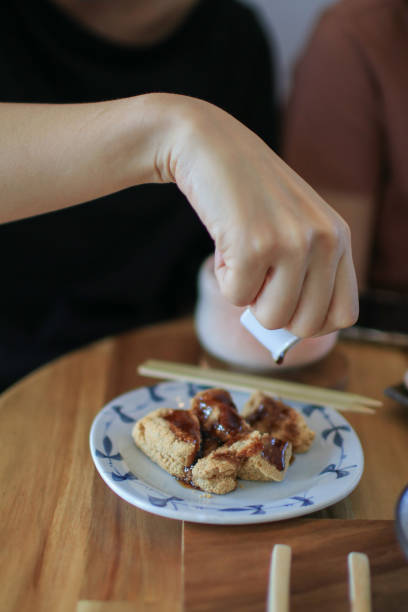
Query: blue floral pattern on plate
327	473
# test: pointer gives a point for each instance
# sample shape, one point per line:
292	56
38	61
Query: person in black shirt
95	125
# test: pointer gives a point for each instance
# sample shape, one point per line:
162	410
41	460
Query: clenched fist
279	247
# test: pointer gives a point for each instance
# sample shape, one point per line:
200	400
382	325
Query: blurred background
288	26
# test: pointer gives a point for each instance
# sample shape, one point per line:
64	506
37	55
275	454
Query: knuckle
346	231
343	318
264	246
348	319
328	237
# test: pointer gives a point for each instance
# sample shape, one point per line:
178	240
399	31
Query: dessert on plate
269	415
211	445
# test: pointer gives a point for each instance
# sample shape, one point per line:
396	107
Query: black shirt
75	275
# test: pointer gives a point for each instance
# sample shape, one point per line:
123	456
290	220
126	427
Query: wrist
146	133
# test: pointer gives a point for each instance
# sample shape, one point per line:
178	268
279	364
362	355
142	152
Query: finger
277	301
314	303
343	309
239	283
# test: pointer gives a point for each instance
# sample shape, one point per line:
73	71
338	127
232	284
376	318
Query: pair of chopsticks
340	400
279	580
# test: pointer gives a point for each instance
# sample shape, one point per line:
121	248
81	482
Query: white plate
328	472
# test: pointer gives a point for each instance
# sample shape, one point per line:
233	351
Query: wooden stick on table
247	382
106	606
279	579
359	582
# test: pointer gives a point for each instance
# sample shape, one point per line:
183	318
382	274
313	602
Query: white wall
289	22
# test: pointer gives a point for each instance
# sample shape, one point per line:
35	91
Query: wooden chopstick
359	582
279	579
106	606
248	382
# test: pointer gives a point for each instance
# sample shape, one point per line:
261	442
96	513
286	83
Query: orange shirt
347	122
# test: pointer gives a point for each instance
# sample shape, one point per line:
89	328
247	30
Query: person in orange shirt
346	133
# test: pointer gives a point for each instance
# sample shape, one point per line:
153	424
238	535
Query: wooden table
68	543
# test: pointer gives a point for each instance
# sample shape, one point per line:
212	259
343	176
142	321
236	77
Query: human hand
279	246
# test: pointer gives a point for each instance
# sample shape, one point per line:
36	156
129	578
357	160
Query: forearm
54	156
